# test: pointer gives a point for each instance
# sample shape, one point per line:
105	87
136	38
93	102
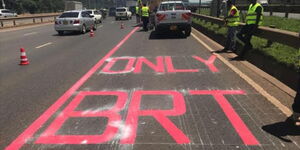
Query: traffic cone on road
24	59
92	32
122	25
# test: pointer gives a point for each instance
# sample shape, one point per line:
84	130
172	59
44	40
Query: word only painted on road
135	65
129	127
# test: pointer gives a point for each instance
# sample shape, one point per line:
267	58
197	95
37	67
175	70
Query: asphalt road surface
128	89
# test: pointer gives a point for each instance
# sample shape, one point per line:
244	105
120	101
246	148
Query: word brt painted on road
135	64
50	136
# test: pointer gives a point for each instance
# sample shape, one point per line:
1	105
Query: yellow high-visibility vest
235	20
145	11
251	14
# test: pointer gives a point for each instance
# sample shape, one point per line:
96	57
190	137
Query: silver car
7	13
76	20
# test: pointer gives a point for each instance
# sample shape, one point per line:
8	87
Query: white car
7	13
97	15
123	12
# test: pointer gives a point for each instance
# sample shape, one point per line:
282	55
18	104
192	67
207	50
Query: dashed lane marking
31	33
257	87
49	43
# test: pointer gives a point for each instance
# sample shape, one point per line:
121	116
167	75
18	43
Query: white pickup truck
173	15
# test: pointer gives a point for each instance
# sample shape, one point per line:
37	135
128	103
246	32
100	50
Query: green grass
281	53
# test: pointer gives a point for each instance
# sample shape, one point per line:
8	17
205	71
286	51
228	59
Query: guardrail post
2	25
33	20
41	19
14	21
286	11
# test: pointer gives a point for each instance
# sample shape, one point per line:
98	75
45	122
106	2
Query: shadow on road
282	129
166	35
69	34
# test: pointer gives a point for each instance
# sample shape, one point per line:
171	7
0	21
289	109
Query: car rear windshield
69	15
172	6
121	10
6	11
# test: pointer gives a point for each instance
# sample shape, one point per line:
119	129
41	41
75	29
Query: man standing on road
232	21
145	17
137	14
254	18
296	107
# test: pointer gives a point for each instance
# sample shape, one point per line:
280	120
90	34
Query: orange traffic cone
122	25
92	32
24	59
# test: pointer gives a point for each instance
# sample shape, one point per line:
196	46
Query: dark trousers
230	42
245	35
296	104
145	23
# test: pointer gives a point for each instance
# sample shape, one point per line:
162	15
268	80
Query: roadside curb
216	46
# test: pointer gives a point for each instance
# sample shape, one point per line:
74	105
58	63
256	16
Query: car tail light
76	21
187	16
160	17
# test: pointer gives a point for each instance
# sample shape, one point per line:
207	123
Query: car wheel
83	29
187	32
60	32
95	27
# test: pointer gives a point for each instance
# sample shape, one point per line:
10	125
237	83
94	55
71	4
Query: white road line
31	33
257	87
44	45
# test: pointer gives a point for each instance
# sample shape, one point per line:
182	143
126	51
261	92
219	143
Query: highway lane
26	91
172	84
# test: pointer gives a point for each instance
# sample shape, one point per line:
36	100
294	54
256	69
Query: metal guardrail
275	35
281	8
34	19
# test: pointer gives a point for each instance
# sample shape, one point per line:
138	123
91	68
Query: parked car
7	13
97	15
172	15
77	20
123	12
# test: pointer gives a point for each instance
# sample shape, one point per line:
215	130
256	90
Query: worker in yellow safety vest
232	21
137	14
254	18
145	16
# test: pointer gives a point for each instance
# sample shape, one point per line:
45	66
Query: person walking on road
254	18
145	17
296	107
232	21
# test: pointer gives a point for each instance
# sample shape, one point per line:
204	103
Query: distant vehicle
73	5
123	12
78	20
7	13
172	15
263	2
97	15
112	11
104	13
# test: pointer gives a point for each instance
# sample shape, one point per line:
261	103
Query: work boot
295	118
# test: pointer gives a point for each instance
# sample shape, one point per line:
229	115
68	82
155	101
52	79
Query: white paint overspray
124	131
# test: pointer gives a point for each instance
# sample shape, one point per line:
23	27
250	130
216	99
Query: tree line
34	6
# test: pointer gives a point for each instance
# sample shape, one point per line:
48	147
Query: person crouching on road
232	21
145	17
254	18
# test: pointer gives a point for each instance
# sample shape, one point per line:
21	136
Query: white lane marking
44	45
31	33
112	22
257	87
